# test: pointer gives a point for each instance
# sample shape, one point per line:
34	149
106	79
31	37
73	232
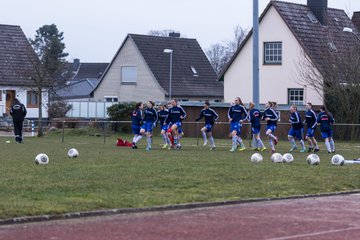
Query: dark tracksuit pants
18	128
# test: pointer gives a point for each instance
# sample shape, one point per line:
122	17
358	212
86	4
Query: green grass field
106	176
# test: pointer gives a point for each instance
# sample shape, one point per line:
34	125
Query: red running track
327	218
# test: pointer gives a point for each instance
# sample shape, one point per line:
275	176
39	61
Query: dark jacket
18	112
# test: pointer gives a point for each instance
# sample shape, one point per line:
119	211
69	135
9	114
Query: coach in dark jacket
18	113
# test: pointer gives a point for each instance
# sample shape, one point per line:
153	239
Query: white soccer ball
41	159
276	158
313	159
73	153
287	158
337	160
256	158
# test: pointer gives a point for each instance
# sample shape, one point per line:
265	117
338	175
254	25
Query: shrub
58	109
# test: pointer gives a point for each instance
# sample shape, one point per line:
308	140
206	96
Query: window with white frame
111	99
273	53
129	75
296	96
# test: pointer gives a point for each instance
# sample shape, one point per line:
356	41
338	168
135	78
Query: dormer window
193	70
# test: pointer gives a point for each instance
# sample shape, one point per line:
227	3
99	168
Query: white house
290	34
14	55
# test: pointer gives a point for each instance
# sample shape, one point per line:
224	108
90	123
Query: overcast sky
94	29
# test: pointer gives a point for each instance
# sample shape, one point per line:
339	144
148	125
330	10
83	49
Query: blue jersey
210	116
271	113
255	117
162	115
176	114
326	120
237	113
136	117
150	116
295	120
311	119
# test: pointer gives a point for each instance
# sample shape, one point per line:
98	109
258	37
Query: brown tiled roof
314	38
15	52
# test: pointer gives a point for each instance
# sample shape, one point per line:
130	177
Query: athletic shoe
148	148
205	143
242	149
212	148
272	151
310	150
165	146
178	147
333	151
276	141
303	150
263	149
293	149
233	149
255	149
133	146
316	150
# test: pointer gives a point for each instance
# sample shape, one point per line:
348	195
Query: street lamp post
350	30
256	65
170	51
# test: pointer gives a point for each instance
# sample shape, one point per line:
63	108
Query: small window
273	53
32	99
1	95
217	100
195	73
296	96
111	99
129	75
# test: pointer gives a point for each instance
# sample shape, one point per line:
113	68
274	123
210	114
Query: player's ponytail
240	101
137	106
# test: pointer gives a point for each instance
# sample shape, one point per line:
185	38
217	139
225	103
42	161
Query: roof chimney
76	64
356	20
174	34
319	8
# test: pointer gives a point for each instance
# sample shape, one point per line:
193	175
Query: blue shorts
208	127
235	126
296	133
164	127
148	126
136	129
272	128
310	132
255	130
327	134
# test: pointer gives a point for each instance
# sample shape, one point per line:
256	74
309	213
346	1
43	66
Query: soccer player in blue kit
271	117
237	114
149	122
162	115
296	130
210	117
254	118
136	119
175	117
311	122
326	120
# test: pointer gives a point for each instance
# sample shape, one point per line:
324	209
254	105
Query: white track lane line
315	233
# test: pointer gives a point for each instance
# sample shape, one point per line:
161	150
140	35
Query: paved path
313	218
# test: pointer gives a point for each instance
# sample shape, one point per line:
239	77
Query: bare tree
161	33
219	54
335	74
